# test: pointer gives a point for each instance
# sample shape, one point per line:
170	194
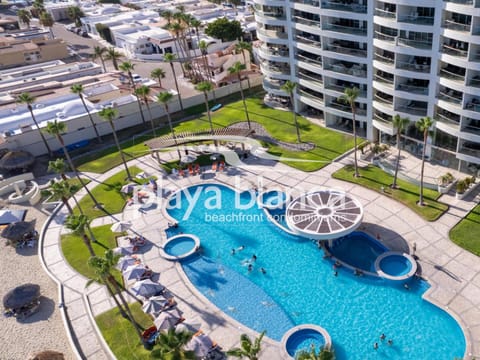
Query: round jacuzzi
180	246
272	199
304	337
394	265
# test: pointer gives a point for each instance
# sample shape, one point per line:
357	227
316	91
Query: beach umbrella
156	304
47	355
146	288
126	261
134	272
121	226
15	231
123	250
8	216
188	159
168	319
200	344
16	159
20	296
128	188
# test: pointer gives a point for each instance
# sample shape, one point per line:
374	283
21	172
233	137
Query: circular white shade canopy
324	215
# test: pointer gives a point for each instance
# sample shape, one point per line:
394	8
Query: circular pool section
394	265
304	337
272	199
180	247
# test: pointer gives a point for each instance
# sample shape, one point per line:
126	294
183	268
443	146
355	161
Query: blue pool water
180	246
273	198
299	285
304	340
395	265
358	250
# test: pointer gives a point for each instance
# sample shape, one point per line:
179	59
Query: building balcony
336	5
384	59
308	2
355	70
452	76
310	99
446	49
315	60
345	29
452	25
276	15
275	54
473	105
387	100
461	2
422	90
470	152
346	50
310	77
475	81
273	33
385	37
414	110
447	120
274	70
385	14
414	19
384	80
449	98
418	44
308	22
424	68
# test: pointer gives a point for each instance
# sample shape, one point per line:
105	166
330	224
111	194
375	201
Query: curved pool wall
303	337
273	199
301	283
175	248
396	266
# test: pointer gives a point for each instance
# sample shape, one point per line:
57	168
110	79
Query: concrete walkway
453	272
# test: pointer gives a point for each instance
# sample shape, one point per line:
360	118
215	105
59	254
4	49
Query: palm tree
109	115
37	8
114	56
62	190
26	98
170	345
164	98
241	47
248	349
56	129
103	267
24	16
75	14
400	124
128	67
167	15
324	354
143	92
170	58
423	125
78	224
349	97
58	166
99	53
159	74
206	87
236	69
78	89
46	20
289	88
203	48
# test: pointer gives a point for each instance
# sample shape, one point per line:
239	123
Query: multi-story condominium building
407	58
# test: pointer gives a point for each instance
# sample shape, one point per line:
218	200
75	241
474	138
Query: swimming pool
299	284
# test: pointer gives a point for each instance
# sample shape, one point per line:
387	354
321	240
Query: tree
37	8
170	345
109	115
206	87
400	124
56	129
143	92
324	354
62	190
78	89
247	348
159	74
114	56
24	16
27	99
128	67
289	88
423	125
167	15
224	29
75	14
99	53
46	20
170	58
164	98
78	224
236	69
349	97
58	166
241	47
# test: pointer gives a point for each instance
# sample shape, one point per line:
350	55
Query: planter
443	189
472	187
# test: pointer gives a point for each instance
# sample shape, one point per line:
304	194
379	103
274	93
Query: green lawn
467	232
329	143
120	334
77	255
108	193
374	178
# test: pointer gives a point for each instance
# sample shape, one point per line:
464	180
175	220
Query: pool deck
453	272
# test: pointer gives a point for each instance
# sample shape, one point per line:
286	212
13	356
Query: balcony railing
383	79
345	29
414	19
311	96
454	51
385	14
449	98
387	121
317	61
273	84
304	76
413	67
271	14
341	88
273	33
308	22
347	108
419	44
473	106
308	2
388	101
346	50
274	68
451	75
471	129
384	59
461	2
446	119
470	152
452	25
344	7
414	110
340	68
475	81
385	37
274	51
308	41
413	89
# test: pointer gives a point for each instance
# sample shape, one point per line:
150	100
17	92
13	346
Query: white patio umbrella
134	272
147	288
128	188
121	226
126	261
123	250
200	344
168	319
156	304
187	159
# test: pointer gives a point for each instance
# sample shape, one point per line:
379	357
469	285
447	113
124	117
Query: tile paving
453	272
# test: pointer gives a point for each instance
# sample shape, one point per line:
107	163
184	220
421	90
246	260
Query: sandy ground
44	330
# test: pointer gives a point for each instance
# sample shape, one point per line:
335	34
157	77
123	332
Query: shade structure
187	159
47	355
200	344
123	250
146	288
121	226
156	304
8	216
15	231
20	296
126	261
134	272
17	159
168	319
128	188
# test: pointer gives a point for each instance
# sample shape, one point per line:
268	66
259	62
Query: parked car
85	34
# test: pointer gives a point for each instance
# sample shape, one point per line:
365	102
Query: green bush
461	186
